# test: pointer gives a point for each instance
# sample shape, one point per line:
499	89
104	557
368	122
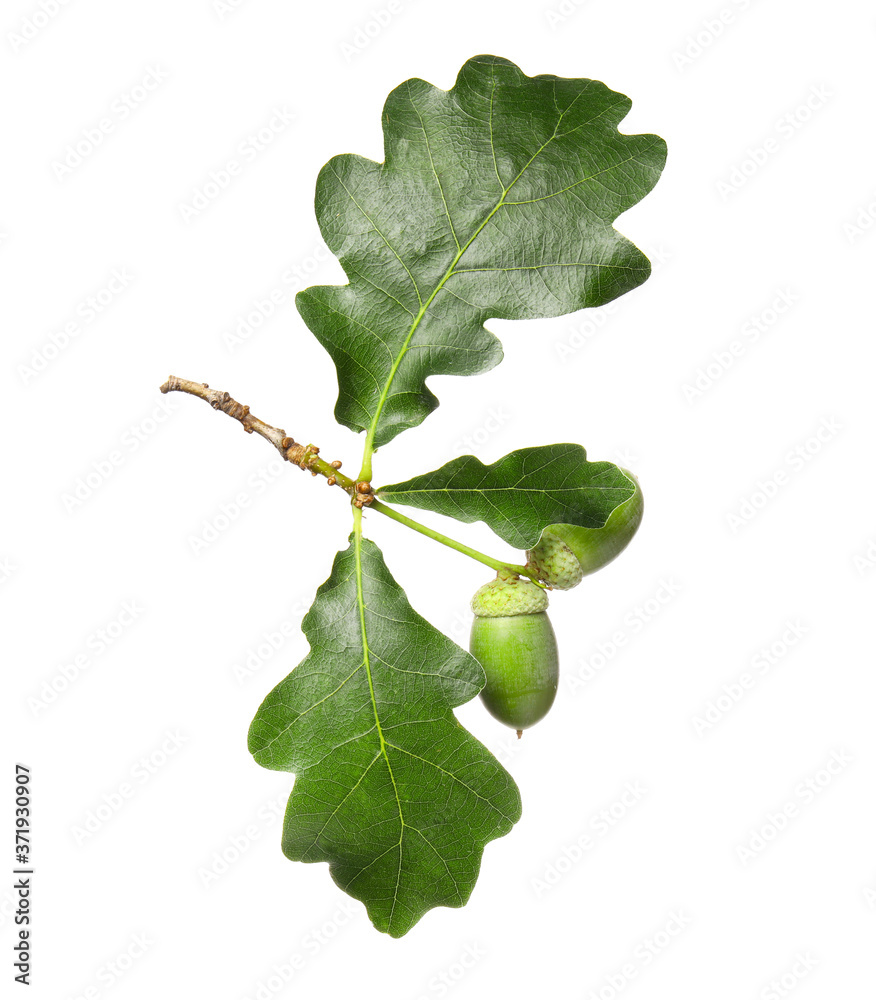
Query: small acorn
566	553
512	638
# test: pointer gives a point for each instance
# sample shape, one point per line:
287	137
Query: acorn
566	553
514	641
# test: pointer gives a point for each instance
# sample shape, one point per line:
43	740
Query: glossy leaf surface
522	493
390	789
496	199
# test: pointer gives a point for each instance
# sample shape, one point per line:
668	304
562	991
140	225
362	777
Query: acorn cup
512	638
566	553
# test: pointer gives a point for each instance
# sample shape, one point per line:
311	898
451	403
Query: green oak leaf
522	493
496	199
390	789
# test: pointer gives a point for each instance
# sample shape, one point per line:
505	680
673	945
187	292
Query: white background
767	201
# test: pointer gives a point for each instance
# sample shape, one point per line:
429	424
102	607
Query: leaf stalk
452	543
307	457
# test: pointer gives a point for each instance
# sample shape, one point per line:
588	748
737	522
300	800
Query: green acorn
566	553
514	641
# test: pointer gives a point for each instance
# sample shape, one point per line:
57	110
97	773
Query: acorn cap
555	562
566	553
505	598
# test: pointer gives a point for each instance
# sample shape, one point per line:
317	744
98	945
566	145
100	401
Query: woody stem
307	457
304	456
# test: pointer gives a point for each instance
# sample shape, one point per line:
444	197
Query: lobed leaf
390	789
495	199
522	493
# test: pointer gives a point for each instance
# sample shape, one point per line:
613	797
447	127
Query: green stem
451	543
317	464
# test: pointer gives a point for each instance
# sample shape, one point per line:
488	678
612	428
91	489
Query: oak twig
304	456
307	457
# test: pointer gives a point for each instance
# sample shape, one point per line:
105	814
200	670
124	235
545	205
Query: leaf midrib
366	659
384	395
494	489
